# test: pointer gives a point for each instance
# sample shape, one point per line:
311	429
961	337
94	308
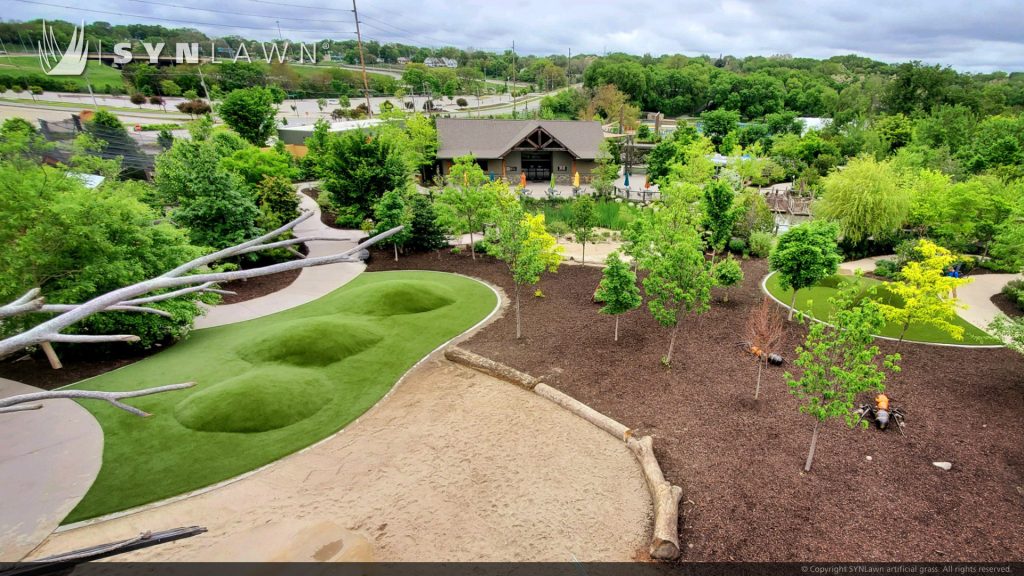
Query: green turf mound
398	297
310	342
262	399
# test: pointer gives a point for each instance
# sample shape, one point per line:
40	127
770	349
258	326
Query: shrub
461	102
737	246
761	244
886	269
138	99
1015	291
194	107
558	228
427	234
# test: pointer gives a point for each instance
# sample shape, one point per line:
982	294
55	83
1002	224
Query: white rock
868	458
943	465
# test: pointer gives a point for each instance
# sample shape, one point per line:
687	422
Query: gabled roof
494	138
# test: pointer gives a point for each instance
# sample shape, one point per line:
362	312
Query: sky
973	36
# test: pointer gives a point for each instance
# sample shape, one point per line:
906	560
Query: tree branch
17	403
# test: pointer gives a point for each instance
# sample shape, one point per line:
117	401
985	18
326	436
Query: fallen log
665	540
580	409
490	367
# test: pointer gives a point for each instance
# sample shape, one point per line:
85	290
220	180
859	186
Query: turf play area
815	301
270	386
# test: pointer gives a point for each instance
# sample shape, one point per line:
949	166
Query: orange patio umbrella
576	180
522	180
647	182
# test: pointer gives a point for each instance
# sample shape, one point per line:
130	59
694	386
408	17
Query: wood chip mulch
871	495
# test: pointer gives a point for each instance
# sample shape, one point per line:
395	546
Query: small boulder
943	465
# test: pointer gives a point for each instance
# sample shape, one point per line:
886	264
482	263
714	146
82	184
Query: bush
194	107
461	102
1015	290
886	269
737	246
138	99
558	228
427	234
761	244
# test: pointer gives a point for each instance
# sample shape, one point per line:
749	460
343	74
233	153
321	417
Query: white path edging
764	288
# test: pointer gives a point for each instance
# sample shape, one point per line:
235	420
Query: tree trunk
583	258
665	496
726	299
616	327
51	355
519	330
396	252
792	306
814	444
472	246
902	334
757	389
672	344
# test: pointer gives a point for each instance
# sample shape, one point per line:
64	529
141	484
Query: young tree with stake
727	273
618	289
805	255
719	215
468	202
520	241
764	331
839	361
582	221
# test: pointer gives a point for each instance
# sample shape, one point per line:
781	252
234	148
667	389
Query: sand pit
453	466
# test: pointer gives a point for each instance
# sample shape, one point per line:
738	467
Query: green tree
606	171
582	220
618	289
521	241
277	202
391	211
727	273
805	255
468	200
927	292
839	361
716	124
251	112
426	233
695	166
170	88
254	165
358	168
866	199
667	244
719	214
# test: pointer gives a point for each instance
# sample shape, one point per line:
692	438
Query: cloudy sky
978	35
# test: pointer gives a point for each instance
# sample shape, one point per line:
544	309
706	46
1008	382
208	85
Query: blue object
626	181
492	176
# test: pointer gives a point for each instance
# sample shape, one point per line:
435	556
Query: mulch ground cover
1006	305
871	495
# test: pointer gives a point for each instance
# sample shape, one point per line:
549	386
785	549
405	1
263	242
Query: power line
299	6
168	19
232	13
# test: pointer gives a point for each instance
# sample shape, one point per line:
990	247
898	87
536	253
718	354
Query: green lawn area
98	74
270	386
815	300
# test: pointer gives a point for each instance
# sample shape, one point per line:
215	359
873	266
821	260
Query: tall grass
608	213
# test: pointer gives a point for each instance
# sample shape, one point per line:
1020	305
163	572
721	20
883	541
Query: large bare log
665	541
490	367
49	331
21	402
580	409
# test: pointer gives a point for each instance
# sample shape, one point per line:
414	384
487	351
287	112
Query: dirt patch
739	461
1006	305
35	370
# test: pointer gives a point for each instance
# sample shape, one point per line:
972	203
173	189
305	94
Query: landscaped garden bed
270	386
740	461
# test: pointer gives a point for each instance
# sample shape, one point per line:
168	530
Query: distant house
510	148
403	60
433	62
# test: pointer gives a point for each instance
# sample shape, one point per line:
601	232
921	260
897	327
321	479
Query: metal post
362	62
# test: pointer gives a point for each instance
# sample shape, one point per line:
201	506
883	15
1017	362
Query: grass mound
270	386
310	342
815	301
266	398
397	298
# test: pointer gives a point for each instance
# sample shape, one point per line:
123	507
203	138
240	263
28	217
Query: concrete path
978	297
453	465
312	283
48	460
864	264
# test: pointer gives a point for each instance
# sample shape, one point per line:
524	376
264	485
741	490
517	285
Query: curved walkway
453	466
312	283
48	460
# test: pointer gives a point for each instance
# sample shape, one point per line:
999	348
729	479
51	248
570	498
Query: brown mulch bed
327	217
1006	305
740	462
34	370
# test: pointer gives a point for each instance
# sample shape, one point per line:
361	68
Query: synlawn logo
72	61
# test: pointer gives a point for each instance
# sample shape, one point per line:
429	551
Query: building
297	134
510	148
434	62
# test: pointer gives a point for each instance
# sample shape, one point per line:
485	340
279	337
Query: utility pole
514	78
568	68
362	62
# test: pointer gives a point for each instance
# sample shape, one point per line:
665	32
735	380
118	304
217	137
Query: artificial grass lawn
98	74
815	301
270	386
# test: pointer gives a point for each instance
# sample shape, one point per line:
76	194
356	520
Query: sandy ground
454	465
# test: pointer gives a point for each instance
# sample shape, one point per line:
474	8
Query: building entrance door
537	166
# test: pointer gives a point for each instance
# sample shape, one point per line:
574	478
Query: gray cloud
971	36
